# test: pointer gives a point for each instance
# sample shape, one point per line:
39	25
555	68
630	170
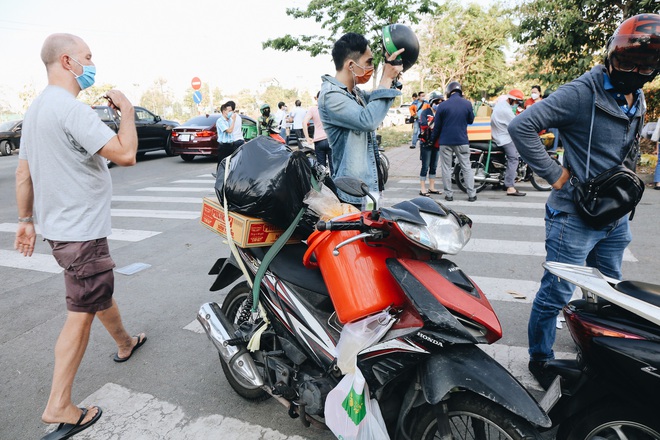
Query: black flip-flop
516	194
68	430
139	344
426	194
433	191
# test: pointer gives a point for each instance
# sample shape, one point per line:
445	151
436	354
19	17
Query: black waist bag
609	196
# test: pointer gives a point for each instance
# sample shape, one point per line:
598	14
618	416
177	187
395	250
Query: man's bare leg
111	319
69	351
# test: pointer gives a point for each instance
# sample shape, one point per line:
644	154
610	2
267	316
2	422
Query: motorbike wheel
385	160
479	171
538	182
474	417
236	308
611	421
384	171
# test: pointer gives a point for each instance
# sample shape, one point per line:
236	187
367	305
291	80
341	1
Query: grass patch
395	136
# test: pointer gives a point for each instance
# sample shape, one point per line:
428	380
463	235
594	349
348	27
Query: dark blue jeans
429	156
569	240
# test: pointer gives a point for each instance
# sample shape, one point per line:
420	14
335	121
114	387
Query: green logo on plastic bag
354	406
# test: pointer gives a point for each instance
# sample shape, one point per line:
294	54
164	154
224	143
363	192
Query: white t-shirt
237	132
72	184
280	118
499	122
298	115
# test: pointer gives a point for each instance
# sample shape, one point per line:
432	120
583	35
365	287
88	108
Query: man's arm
25	233
308	116
122	149
553	111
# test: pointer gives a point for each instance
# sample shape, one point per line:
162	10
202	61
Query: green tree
26	96
337	17
208	105
274	94
565	38
465	44
158	97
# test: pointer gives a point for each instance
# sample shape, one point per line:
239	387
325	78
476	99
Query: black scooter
612	389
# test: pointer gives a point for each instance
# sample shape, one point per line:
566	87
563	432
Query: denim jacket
350	121
569	109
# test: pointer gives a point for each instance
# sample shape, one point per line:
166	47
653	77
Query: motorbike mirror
352	186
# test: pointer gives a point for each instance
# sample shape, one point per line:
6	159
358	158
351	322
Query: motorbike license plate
552	396
184	137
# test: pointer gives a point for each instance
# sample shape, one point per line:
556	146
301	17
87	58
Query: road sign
196	83
197	97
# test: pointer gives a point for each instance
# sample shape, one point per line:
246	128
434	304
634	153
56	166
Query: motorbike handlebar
339	226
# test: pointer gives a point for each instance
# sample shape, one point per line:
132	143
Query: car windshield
7	126
202	121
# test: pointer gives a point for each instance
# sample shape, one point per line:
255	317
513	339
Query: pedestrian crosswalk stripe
505	289
511	247
480	203
154	213
506	220
38	262
208	189
117	234
157	199
209	181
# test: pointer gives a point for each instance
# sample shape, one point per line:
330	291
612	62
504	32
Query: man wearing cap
503	114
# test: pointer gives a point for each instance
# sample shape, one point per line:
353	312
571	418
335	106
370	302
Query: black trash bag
268	181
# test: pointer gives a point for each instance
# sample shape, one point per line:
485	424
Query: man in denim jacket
351	116
612	94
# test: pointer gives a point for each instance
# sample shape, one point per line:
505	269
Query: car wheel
5	148
168	147
187	157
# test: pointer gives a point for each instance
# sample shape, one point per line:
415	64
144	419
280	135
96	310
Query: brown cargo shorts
88	275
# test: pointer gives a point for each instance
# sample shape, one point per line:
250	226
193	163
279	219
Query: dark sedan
10	137
153	132
199	136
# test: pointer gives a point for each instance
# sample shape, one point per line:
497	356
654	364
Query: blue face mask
86	78
229	115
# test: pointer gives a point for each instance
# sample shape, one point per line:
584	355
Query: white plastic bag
351	414
358	335
326	204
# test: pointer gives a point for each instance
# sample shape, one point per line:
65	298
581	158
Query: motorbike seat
288	266
646	292
483	146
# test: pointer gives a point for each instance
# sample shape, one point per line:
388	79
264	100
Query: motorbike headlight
444	234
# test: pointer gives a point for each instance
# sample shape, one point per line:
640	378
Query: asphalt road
174	387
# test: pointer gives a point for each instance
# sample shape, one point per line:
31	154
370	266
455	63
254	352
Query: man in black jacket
450	130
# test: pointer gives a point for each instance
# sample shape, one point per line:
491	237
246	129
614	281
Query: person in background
297	115
503	114
321	144
656	137
237	132
280	118
63	178
428	152
414	106
266	124
535	96
351	116
225	126
599	116
450	130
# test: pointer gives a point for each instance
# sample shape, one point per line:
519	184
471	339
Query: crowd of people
65	145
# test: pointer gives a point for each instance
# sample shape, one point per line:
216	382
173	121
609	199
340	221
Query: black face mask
628	82
265	112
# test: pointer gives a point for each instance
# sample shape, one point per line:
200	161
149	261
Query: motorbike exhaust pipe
220	330
486	179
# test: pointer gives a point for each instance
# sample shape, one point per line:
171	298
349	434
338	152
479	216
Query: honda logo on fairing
429	339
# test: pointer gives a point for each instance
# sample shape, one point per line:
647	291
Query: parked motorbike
612	389
427	373
488	163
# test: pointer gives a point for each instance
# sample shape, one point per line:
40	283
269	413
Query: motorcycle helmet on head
516	95
453	87
399	36
633	52
435	96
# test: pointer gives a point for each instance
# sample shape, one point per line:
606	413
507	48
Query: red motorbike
427	373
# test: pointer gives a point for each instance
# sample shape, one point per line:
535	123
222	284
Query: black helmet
399	36
452	87
435	96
